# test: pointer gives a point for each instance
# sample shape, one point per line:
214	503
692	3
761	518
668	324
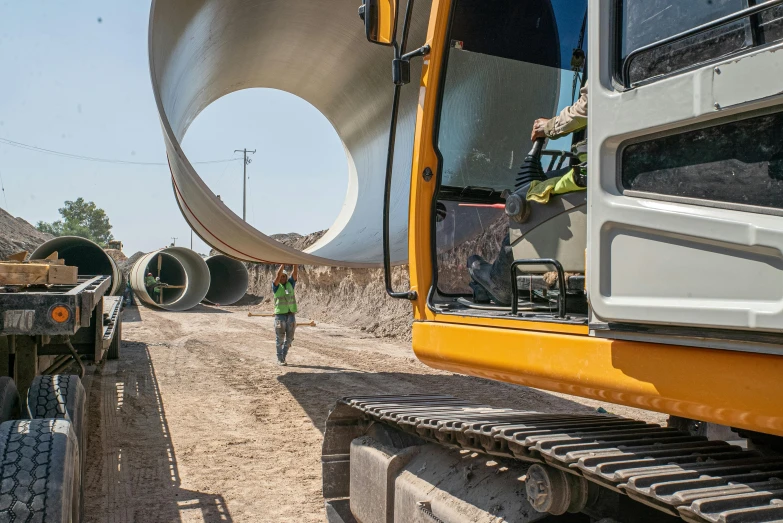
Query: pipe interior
90	259
228	280
171	272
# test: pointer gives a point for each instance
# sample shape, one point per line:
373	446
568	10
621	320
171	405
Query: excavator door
685	177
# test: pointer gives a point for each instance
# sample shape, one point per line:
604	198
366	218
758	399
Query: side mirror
380	20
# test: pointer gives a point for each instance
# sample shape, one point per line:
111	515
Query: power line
34	148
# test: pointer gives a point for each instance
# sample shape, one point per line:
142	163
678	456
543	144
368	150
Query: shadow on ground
131	314
132	473
202	309
318	392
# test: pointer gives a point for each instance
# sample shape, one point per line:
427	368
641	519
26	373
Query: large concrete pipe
228	280
184	271
201	51
84	254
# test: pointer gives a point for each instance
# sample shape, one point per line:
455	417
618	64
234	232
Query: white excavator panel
685	194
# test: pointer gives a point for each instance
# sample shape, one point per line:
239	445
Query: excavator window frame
434	292
622	65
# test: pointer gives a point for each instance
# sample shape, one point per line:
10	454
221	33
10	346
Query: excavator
659	287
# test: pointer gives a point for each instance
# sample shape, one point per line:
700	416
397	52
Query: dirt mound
18	235
357	297
117	255
297	241
126	265
350	297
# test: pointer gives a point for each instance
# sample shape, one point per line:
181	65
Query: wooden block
19	256
23	274
37	274
52	256
63	275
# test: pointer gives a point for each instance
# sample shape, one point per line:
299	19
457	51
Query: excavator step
699	480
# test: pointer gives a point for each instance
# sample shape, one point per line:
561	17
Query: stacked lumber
51	271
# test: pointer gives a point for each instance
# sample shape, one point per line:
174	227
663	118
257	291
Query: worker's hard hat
149	274
157	279
285	273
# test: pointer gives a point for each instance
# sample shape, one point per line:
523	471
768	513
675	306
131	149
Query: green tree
82	219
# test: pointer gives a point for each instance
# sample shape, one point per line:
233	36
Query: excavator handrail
561	283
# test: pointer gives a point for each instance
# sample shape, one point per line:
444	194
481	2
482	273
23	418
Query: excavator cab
659	287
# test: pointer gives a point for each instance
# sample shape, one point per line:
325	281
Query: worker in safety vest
149	283
156	291
492	280
285	311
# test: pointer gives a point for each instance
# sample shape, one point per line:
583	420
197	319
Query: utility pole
173	241
244	180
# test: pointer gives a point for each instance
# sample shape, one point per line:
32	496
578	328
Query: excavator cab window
653	40
508	63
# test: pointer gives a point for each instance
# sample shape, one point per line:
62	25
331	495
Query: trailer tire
10	404
116	341
39	462
60	397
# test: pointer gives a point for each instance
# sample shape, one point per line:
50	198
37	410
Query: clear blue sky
75	84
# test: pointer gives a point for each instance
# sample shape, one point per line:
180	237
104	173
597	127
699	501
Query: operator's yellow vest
285	300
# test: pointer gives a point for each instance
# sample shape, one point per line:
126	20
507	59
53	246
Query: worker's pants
285	325
128	297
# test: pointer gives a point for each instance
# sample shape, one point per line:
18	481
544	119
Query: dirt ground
196	422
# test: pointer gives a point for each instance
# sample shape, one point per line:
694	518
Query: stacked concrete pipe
88	256
178	267
228	280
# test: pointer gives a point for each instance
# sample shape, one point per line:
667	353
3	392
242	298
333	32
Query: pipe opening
228	280
89	258
302	164
171	272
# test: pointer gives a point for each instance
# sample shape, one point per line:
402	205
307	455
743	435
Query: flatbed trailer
43	326
43	330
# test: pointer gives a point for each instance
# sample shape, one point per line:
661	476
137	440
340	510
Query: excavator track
700	481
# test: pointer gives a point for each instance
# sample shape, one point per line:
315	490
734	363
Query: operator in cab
493	281
570	120
285	311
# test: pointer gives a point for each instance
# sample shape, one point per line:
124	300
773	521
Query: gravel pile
18	235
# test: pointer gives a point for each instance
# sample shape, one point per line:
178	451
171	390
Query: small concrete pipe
228	280
88	256
183	270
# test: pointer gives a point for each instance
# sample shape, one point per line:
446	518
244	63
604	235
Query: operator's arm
295	273
278	276
571	119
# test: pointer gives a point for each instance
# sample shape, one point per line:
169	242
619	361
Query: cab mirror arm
401	65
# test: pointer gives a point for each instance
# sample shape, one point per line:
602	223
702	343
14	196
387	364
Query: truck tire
39	463
116	341
60	397
10	405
